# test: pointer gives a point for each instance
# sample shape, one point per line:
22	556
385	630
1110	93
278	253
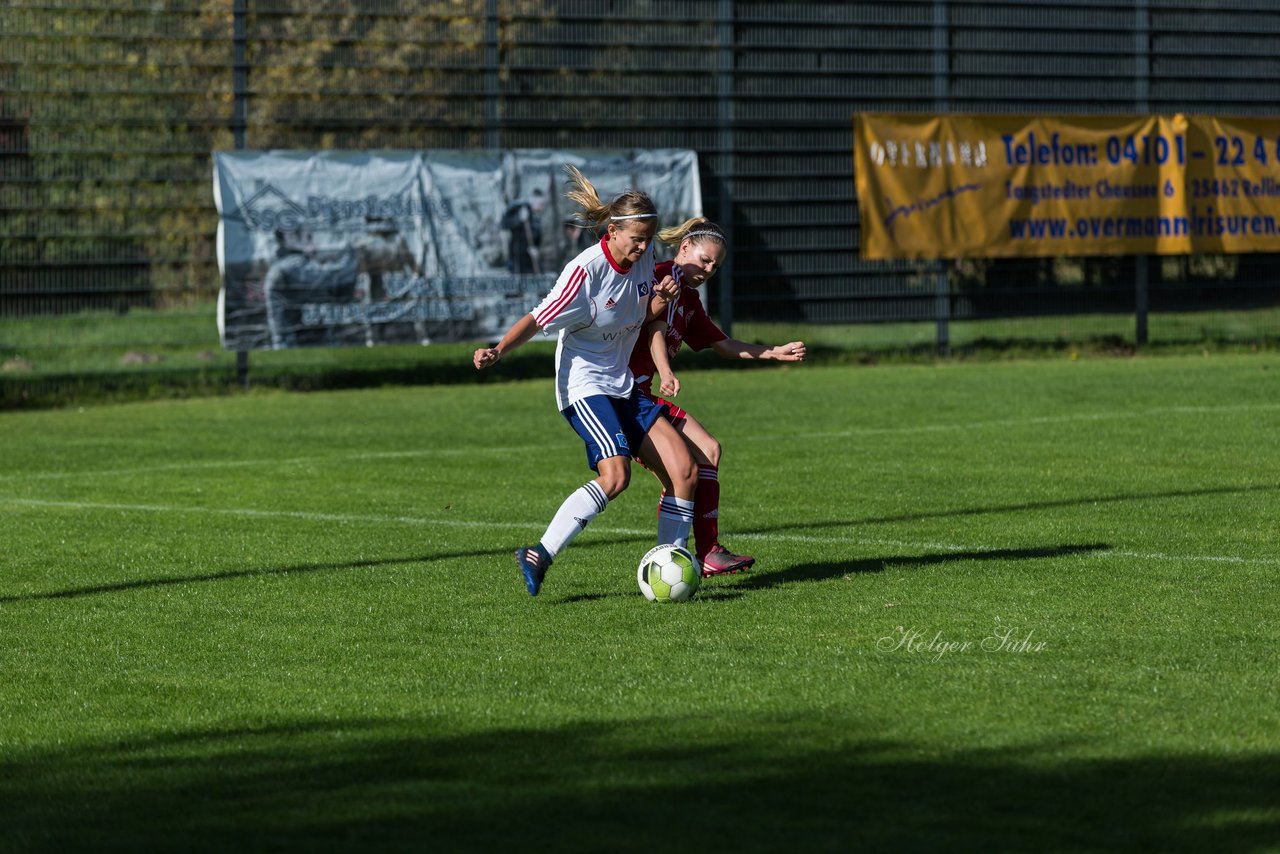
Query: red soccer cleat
720	561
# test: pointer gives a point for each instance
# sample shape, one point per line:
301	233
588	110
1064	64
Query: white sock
574	514
675	518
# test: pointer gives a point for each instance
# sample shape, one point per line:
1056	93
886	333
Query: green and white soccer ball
669	574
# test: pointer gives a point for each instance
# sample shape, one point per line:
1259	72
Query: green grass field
102	356
1013	606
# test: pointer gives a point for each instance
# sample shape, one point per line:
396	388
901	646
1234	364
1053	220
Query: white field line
532	527
272	463
754	436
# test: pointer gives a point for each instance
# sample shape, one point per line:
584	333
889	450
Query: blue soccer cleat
533	563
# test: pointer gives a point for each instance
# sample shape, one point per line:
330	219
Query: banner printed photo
337	248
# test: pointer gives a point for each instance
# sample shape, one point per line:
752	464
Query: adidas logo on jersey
610	303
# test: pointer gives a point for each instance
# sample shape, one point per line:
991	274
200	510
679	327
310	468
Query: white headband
705	233
633	216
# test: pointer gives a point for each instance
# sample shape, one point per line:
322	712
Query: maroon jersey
687	323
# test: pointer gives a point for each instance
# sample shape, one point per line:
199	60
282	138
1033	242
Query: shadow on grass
997	509
840	569
445	364
299	569
804	572
707	593
803	784
729	587
232	574
427	367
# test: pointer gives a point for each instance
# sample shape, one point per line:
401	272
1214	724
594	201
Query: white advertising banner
326	248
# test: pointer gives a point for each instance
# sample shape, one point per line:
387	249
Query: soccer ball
669	574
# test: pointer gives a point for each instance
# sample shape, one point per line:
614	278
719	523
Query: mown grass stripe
311	516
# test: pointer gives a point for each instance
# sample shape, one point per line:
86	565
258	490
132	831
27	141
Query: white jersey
598	310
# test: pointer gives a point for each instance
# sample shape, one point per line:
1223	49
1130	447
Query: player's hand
670	386
793	352
667	289
485	356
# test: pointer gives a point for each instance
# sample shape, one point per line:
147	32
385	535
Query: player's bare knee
713	453
614	480
684	475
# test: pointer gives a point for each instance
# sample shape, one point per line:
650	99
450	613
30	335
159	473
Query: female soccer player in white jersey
597	307
702	248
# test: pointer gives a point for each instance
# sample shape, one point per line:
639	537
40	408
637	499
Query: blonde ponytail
633	204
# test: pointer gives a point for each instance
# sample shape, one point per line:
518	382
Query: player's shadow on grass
996	509
234	574
843	569
359	784
730	587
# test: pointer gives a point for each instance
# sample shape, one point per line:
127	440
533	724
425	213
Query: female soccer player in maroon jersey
702	248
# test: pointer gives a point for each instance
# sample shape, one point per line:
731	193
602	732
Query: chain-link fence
109	112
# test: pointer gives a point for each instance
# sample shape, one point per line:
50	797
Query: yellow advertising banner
960	186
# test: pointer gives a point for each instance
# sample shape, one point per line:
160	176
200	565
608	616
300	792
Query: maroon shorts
673	412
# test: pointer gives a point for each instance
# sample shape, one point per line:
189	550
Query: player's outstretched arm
520	332
731	348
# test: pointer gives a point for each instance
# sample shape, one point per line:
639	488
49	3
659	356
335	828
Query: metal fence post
239	122
1141	300
941	101
1141	78
724	210
492	137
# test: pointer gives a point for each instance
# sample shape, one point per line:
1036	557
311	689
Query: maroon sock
706	511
